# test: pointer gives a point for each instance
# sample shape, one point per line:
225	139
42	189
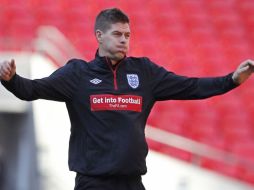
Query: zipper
115	82
114	72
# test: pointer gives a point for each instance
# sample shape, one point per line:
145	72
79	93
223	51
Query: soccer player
109	99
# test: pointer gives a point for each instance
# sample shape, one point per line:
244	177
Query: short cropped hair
109	16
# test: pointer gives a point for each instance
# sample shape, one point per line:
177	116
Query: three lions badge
133	80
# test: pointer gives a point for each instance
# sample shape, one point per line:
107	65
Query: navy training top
108	107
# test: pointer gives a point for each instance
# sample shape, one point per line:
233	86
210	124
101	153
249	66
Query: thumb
13	66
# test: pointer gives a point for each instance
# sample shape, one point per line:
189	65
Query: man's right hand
7	70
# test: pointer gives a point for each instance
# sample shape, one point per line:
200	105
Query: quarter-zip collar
105	62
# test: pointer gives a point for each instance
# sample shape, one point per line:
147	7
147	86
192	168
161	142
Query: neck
113	62
104	54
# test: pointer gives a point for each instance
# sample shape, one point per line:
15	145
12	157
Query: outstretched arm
59	86
166	85
7	70
243	72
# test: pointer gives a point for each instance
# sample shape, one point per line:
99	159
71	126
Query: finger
6	67
243	69
4	75
6	72
251	64
252	68
249	61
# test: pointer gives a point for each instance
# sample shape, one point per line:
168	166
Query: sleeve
169	86
59	86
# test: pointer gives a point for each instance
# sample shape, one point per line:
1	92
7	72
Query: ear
98	34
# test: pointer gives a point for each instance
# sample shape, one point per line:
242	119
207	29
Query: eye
118	34
127	35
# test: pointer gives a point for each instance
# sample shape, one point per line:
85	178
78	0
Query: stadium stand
194	38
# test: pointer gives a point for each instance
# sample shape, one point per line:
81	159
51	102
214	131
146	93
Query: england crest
133	80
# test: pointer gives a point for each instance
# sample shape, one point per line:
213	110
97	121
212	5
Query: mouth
122	50
121	53
123	47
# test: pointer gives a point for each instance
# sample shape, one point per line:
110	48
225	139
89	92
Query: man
108	101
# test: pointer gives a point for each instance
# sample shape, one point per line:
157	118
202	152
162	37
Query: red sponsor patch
102	102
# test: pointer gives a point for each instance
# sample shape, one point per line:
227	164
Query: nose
123	39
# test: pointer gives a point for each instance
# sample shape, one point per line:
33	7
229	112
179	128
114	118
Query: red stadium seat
245	149
194	38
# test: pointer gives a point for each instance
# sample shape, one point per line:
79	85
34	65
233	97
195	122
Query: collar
106	62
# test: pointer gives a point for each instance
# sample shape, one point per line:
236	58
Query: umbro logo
95	81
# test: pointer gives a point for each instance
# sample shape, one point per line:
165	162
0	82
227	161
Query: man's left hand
243	72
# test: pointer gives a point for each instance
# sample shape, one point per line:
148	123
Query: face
114	42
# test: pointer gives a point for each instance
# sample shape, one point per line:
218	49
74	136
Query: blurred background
203	144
